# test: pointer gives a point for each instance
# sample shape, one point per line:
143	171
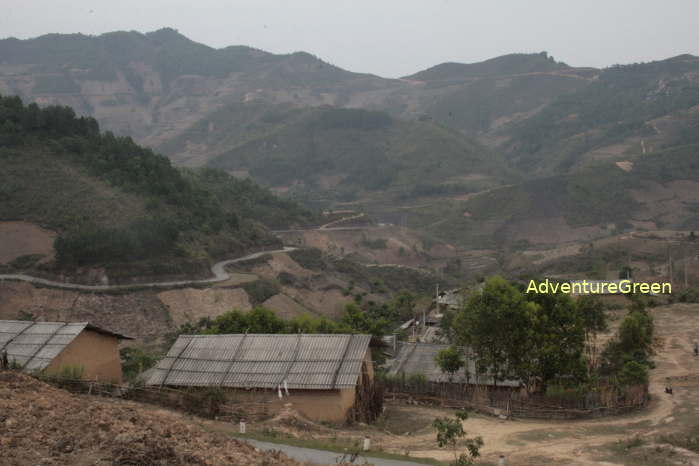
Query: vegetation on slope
115	202
620	103
514	63
346	152
598	195
166	51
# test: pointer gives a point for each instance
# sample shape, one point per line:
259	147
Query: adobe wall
96	353
317	405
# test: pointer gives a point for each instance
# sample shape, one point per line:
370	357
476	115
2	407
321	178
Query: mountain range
467	152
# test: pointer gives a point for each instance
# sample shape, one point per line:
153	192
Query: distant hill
657	191
541	114
389	146
516	63
340	153
152	85
114	203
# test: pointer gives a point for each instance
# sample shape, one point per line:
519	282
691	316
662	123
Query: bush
205	401
27	261
378	243
261	290
310	258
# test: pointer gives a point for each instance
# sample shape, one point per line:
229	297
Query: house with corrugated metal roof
53	348
323	377
420	358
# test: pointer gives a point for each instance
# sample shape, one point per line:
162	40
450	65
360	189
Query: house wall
369	364
96	353
317	405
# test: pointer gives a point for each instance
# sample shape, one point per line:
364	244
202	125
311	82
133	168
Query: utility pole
669	263
686	258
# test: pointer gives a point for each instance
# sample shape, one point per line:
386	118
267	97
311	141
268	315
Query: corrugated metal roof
305	361
33	345
419	358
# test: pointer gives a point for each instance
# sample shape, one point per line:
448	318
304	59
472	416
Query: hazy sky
389	37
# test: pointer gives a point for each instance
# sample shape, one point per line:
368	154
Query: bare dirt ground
598	441
42	425
24	238
640	438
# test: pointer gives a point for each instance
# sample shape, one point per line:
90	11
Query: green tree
557	340
497	325
594	320
450	431
633	373
404	304
450	360
135	360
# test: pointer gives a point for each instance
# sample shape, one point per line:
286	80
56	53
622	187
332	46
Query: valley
167	190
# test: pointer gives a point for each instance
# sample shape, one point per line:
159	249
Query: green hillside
595	197
342	153
622	103
113	202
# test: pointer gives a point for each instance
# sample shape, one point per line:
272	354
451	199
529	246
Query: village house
419	358
323	377
55	348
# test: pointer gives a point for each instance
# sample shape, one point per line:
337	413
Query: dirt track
218	270
587	442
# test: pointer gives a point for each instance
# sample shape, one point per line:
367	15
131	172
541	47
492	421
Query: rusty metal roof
304	361
33	345
419	358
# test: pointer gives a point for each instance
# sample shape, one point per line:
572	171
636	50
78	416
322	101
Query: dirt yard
658	435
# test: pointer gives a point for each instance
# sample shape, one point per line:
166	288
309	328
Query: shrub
261	290
310	258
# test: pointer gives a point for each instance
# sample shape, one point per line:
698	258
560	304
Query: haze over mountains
542	141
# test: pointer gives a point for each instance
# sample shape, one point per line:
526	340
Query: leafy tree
557	340
135	360
632	344
450	360
404	304
633	373
594	321
363	322
450	431
536	338
497	324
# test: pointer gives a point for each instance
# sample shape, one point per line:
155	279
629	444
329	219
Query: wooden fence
213	403
515	402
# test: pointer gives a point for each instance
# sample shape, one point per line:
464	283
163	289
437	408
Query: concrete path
218	270
323	457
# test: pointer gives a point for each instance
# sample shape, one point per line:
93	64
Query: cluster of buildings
321	376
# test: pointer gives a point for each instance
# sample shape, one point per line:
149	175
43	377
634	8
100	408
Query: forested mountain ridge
517	124
151	86
114	202
543	115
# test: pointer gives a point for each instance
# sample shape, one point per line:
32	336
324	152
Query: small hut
323	377
53	348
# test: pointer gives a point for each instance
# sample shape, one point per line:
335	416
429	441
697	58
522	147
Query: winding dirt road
218	269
